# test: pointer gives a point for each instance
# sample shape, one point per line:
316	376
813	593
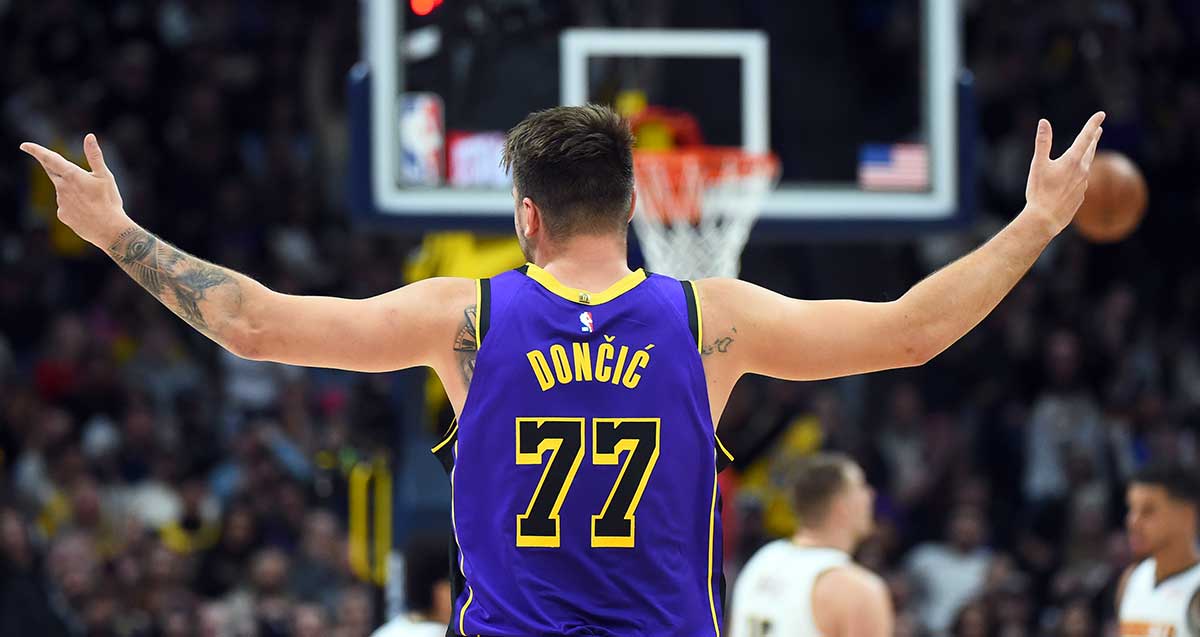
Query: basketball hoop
695	207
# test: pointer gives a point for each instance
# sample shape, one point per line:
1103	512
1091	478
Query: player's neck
824	538
591	263
1175	559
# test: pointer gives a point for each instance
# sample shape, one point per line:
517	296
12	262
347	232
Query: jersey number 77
614	526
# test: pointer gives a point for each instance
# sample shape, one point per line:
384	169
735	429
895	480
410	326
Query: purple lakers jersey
584	464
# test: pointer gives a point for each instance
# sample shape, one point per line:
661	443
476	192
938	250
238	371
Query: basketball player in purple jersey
583	460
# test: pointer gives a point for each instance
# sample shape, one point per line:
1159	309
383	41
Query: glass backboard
862	101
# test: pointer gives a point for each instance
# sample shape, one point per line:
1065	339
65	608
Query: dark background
151	483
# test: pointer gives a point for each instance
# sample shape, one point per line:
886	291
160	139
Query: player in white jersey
1160	595
426	591
808	585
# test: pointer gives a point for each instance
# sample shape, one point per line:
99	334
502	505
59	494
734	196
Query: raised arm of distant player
762	332
852	602
413	325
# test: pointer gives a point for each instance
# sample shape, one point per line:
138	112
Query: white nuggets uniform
1160	611
773	594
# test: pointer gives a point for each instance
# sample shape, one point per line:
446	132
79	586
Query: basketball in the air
1115	201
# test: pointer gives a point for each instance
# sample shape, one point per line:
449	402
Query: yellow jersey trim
699	320
447	438
712	520
721	446
462	614
478	309
583	297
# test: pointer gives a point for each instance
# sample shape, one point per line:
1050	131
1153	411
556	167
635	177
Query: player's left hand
1056	187
88	202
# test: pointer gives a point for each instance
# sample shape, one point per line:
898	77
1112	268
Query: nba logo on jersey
585	321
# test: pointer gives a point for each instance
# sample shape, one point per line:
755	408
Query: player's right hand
1056	186
88	202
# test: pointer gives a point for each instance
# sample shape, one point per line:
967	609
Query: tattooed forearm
137	253
180	281
189	289
466	346
719	345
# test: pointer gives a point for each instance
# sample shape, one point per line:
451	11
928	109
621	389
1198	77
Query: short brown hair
1180	481
818	479
576	164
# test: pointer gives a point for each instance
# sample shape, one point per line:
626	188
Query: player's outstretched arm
807	340
852	602
391	331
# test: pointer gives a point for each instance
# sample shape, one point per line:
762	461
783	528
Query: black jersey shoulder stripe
484	311
693	310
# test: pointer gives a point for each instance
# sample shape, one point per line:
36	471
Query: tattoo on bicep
160	267
720	345
466	346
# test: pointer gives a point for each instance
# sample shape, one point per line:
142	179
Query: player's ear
632	206
533	217
838	507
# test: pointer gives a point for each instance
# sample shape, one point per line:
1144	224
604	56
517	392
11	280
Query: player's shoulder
439	300
848	582
853	599
854	576
722	295
447	286
718	289
1123	580
1122	584
723	299
768	552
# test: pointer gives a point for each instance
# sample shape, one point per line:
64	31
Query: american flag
893	167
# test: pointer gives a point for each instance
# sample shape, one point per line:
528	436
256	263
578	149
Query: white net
695	210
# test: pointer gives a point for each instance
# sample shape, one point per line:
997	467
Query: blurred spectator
263	604
427	592
1077	620
317	572
973	620
355	615
947	574
214	621
25	606
1065	421
221	566
309	620
195	530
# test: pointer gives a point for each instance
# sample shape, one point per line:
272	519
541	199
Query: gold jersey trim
712	520
583	297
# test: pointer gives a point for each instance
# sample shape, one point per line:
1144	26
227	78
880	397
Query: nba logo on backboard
473	160
585	321
422	139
